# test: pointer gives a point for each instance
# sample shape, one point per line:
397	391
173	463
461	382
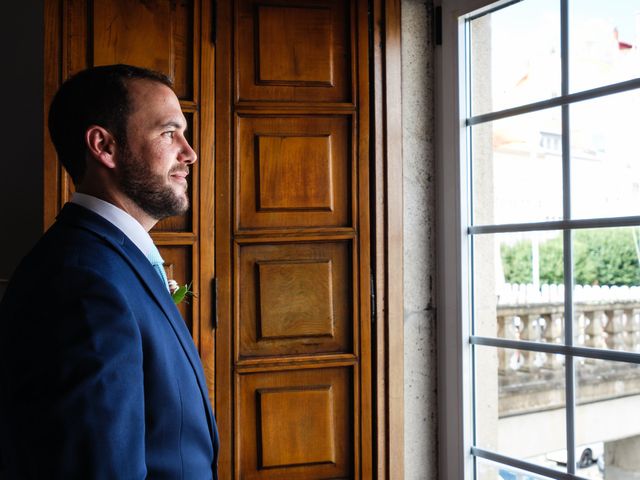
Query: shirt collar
118	217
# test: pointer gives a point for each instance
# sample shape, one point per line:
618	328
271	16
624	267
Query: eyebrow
174	124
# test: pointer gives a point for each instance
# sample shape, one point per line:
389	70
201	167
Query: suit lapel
159	292
89	220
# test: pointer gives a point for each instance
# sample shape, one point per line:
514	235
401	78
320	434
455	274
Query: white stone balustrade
604	317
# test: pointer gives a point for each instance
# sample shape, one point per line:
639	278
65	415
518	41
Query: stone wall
420	425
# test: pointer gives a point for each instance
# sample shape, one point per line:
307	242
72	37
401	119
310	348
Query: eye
168	134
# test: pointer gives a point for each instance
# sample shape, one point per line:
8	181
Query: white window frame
452	247
454	369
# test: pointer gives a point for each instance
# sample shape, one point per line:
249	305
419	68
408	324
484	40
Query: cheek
158	159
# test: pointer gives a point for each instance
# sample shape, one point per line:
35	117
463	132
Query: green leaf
182	293
179	294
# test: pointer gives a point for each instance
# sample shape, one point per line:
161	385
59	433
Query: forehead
152	101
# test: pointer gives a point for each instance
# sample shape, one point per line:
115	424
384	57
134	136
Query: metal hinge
372	286
437	25
214	21
214	302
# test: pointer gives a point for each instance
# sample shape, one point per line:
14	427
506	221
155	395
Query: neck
121	201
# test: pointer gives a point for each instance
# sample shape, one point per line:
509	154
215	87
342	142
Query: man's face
154	163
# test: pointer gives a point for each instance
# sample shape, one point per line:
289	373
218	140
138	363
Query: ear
101	145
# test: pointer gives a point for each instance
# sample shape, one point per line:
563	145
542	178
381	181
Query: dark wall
21	126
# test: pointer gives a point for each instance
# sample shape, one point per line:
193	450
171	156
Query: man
99	377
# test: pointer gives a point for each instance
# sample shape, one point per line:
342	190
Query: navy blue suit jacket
99	376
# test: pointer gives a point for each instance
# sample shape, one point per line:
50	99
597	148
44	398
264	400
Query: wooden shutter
292	237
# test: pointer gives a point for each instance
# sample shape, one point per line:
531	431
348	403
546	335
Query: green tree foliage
516	262
551	261
601	257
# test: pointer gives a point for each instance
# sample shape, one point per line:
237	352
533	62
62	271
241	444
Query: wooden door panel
278	38
294	266
295	299
296	424
294	52
156	34
294	171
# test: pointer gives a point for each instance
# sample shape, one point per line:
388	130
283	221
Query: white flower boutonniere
180	293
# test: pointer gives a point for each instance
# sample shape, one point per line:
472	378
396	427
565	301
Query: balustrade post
632	330
507	360
553	334
530	331
595	332
615	329
580	331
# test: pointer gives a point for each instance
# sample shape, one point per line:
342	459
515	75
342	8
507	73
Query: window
539	239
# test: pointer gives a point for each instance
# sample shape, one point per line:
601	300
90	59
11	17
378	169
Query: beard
150	190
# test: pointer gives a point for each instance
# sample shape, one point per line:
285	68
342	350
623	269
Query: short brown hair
95	96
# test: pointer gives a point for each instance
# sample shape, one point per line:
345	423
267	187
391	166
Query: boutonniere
180	293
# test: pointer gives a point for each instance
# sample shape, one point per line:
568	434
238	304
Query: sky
525	62
621	13
524	33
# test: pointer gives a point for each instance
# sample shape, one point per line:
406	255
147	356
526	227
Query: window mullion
567	241
569	359
468	187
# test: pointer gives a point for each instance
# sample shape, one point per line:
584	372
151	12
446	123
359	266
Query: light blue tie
157	262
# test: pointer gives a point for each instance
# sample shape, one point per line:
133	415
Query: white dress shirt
118	217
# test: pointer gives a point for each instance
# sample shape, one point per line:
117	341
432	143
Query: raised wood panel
308	415
178	263
76	28
294	171
295	298
155	34
295	52
296	424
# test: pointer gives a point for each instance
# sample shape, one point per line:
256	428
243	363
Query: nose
187	154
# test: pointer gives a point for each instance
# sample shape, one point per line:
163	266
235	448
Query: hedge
601	257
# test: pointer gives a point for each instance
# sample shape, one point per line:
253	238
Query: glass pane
515	56
520	414
517	169
487	470
607	288
518	291
605	156
603	42
607	420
